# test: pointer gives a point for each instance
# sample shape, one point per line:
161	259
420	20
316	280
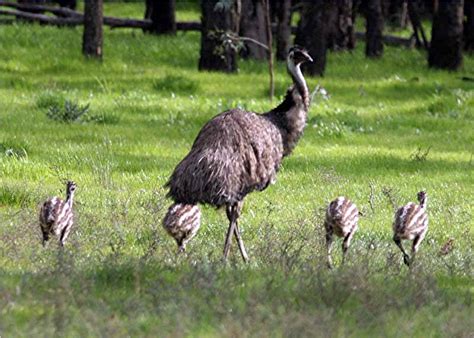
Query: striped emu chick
411	222
342	218
56	215
182	222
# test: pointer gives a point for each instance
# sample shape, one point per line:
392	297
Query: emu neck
423	202
299	81
69	197
290	115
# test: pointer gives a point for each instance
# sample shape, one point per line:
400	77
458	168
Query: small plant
71	112
420	155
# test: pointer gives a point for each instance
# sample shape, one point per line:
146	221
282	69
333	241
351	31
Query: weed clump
70	112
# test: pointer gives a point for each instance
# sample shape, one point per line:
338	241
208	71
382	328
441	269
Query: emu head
70	188
298	55
422	197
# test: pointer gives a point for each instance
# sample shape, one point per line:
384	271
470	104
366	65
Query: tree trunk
345	34
469	25
446	42
416	23
397	13
331	22
92	37
374	26
217	54
312	34
283	34
252	25
162	15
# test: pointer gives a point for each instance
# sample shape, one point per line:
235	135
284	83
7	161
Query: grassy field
390	128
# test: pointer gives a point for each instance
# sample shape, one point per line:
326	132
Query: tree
344	26
252	25
312	33
416	23
469	25
397	13
340	27
283	33
218	17
162	15
446	42
374	28
92	37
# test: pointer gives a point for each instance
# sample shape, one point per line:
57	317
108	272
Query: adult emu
238	152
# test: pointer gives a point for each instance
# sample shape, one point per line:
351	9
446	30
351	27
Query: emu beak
308	57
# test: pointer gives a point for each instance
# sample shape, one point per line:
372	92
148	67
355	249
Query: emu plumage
238	152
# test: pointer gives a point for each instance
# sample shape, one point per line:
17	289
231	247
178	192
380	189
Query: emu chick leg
398	242
329	234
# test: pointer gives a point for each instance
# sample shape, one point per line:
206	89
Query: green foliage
119	275
70	112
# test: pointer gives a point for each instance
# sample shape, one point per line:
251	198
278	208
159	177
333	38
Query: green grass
120	275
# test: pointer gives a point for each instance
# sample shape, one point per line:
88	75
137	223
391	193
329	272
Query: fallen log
44	19
58	11
391	40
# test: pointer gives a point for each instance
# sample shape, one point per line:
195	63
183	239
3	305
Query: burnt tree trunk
446	42
162	14
331	22
283	33
418	29
216	54
345	33
469	25
252	25
312	34
374	27
92	37
397	13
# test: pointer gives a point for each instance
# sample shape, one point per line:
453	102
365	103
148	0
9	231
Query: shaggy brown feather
238	152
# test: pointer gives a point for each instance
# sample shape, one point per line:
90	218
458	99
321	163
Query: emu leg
345	245
181	245
398	242
45	237
329	235
240	242
416	245
237	210
232	219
